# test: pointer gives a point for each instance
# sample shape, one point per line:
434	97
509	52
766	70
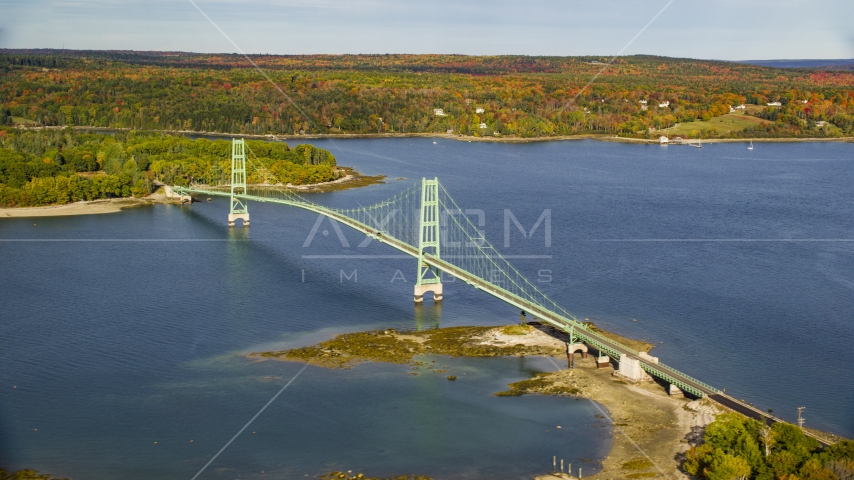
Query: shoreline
647	423
86	207
457	137
352	179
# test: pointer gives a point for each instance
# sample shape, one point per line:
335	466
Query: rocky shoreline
651	429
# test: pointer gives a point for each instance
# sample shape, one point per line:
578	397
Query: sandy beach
94	207
651	430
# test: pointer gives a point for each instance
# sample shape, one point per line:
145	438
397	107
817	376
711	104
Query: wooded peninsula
44	167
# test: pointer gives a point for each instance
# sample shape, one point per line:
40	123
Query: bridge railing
684	386
692	379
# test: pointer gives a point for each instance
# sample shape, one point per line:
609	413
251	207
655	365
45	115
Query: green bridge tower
429	279
238	183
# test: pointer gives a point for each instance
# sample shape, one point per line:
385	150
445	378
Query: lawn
725	123
23	121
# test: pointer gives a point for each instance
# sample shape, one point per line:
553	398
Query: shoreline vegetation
653	434
349	179
27	474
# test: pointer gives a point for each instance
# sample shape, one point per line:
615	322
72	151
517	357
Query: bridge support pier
675	391
631	370
420	290
233	217
571	348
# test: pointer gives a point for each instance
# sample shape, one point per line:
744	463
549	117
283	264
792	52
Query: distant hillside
839	64
637	96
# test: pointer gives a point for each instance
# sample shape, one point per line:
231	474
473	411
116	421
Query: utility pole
800	418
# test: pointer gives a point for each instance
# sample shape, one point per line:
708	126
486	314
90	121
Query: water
114	345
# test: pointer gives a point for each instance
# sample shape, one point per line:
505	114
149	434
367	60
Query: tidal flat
650	429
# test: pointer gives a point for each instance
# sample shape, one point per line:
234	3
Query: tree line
736	447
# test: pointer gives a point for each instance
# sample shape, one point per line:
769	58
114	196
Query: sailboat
751	145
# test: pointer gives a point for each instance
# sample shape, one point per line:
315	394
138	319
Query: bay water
125	336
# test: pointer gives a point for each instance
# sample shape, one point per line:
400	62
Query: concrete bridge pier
232	217
420	290
675	391
571	348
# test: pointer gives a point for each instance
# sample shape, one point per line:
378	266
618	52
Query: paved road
743	409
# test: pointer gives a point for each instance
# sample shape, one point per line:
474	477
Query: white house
479	110
664	104
483	125
775	104
820	123
740	107
804	101
663	140
642	102
439	112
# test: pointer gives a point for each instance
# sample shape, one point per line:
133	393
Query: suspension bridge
425	223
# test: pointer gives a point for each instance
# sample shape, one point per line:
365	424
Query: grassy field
23	121
731	122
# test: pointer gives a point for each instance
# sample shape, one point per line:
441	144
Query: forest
497	96
43	167
736	447
26	474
